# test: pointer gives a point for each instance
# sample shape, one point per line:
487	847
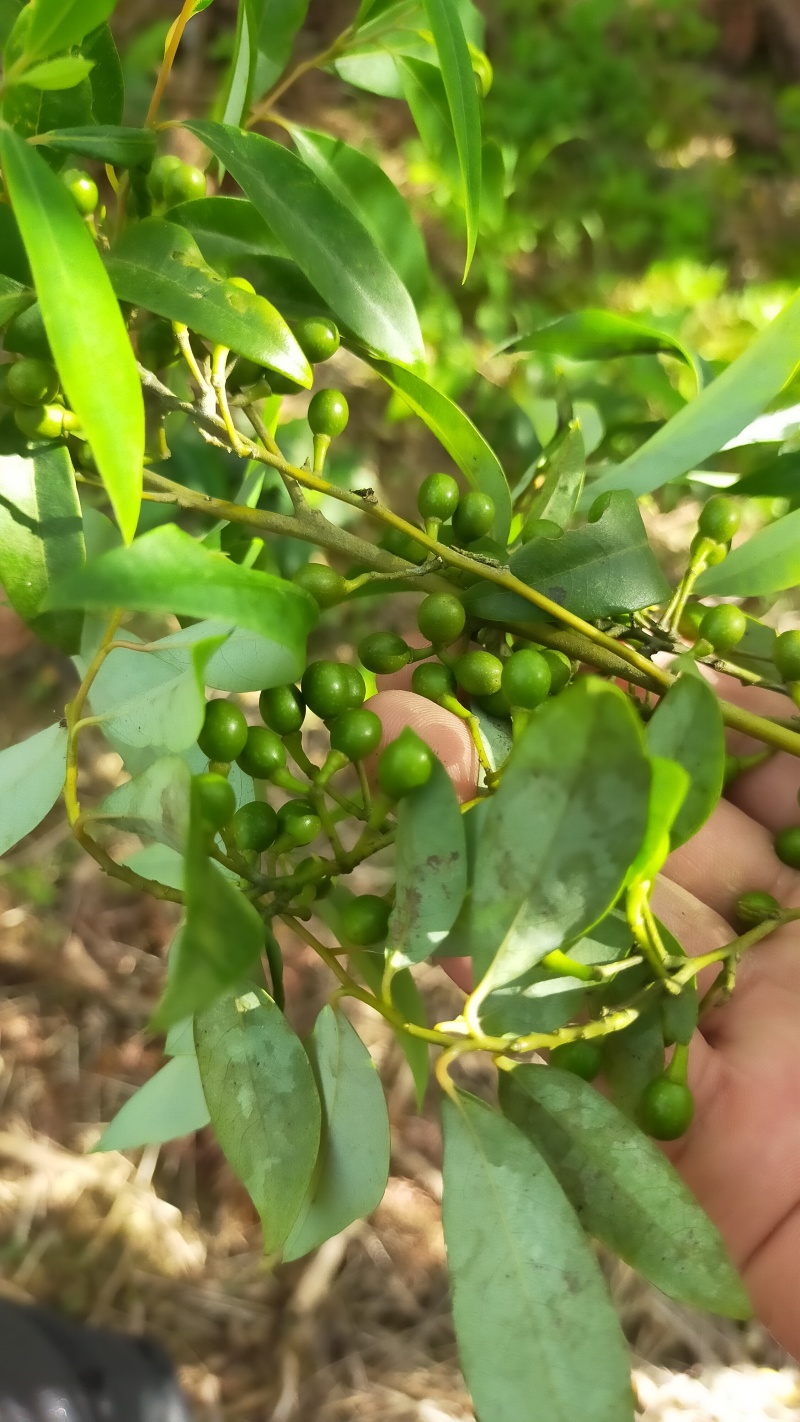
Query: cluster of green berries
171	181
440	499
31	387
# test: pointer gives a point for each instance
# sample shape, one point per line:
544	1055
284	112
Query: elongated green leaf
275	25
106	80
166	571
227	230
158	265
605	568
561	832
462	96
463	442
536	1330
372	197
337	255
767	563
603	335
165	865
166	717
721	411
687	727
221	938
154	805
83	324
31	777
431	869
777	479
558	497
263	1102
170	1105
41	539
9	10
407	999
13	297
129	147
353	1165
422	86
13	258
62	73
58	24
623	1188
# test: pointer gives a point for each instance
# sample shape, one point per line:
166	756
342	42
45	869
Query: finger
446	735
730	855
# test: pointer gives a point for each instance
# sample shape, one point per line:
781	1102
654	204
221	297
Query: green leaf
430	869
9	10
41	538
275	25
462	96
158	265
166	571
777	479
62	73
456	432
154	805
623	1188
603	569
13	258
407	999
558	497
719	412
669	783
83	323
227	230
353	1164
687	727
244	662
129	147
767	563
170	1105
337	255
221	938
106	81
602	335
263	1103
165	865
31	779
59	24
561	831
372	197
13	297
534	1323
633	1057
165	717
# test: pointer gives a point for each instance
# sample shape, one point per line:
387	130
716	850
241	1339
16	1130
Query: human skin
741	1155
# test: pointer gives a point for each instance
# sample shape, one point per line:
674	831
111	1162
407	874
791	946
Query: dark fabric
55	1370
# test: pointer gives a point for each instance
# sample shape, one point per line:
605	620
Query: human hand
741	1155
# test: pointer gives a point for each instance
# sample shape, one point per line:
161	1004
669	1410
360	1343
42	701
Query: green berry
433	681
560	668
326	586
244	374
405	765
254	827
293	809
473	517
32	382
719	519
183	184
356	687
216	799
263	754
328	413
438	496
224	733
526	679
582	1058
441	618
666	1109
756	907
383	653
317	338
479	673
540	528
690	619
723	626
283	709
496	705
82	189
301	826
356	733
40	421
787	846
280	384
787	655
160	170
365	920
327	689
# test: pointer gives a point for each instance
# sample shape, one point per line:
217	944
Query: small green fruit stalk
718	522
328	414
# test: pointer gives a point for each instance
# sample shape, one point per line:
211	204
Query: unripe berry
32	382
723	626
756	907
317	337
582	1058
326	586
282	709
479	673
82	189
526	679
328	413
365	920
438	496
383	653
719	519
224	733
405	765
216	800
787	846
433	681
254	827
473	517
787	655
263	754
356	734
441	618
